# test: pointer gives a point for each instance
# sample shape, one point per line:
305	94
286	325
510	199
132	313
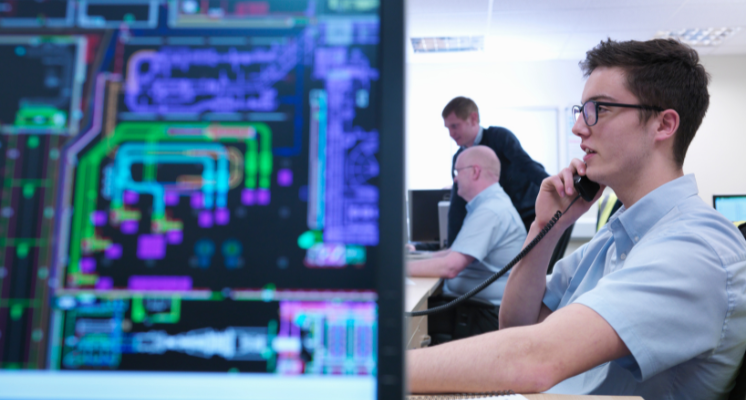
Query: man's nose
580	128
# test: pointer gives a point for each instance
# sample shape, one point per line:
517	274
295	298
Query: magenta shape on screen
139	282
284	177
248	197
151	247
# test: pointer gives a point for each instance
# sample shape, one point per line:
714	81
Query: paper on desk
409	282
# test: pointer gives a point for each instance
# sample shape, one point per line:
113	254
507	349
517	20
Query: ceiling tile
584	41
707	15
623	18
728	50
511	23
539	5
526	47
416	7
425	25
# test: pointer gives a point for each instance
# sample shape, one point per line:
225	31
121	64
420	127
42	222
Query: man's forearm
524	291
491	362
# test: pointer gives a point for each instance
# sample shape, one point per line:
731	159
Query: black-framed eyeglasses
456	170
590	110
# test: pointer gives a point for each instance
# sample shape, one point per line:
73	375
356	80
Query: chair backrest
559	249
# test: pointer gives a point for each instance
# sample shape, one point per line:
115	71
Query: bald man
492	234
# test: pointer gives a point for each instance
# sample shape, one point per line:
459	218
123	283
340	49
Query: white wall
716	155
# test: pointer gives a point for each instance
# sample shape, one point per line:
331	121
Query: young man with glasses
654	305
521	175
492	234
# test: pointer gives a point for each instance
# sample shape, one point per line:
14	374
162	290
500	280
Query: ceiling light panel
447	44
701	37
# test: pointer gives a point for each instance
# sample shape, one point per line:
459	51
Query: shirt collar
639	218
478	139
491	191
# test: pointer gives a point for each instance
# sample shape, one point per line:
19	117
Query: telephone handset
587	189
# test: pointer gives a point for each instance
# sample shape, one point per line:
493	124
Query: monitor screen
732	207
423	214
192	201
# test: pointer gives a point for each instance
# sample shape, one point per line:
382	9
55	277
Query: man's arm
524	292
527	359
446	266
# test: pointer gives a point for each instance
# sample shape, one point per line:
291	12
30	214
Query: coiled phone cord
453	303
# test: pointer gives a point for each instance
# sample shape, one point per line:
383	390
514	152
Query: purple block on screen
129	227
171	198
174	237
87	265
104	283
222	216
160	283
98	218
113	252
131	197
198	200
248	197
205	219
284	177
151	247
262	197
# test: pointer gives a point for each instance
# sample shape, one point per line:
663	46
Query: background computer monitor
423	214
732	207
192	199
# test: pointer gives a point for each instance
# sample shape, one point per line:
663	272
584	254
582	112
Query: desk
417	292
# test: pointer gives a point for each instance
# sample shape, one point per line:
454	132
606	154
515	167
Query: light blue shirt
493	234
669	275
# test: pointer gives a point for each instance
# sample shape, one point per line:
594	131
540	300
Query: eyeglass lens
588	110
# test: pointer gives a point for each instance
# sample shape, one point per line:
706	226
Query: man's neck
636	186
480	187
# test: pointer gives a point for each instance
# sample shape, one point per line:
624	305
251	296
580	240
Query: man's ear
474	118
667	123
477	171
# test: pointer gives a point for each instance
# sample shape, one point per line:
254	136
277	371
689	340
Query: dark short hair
462	107
663	73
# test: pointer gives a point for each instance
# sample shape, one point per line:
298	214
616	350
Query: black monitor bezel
391	380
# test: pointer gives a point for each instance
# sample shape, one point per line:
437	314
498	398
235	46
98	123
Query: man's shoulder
702	226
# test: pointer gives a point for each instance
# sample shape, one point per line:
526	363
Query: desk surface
417	290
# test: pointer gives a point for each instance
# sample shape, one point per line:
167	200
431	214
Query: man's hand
557	192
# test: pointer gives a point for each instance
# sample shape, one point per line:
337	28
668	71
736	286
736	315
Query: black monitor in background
201	199
731	206
423	214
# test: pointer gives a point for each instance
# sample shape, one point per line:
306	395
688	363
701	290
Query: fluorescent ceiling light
447	44
699	36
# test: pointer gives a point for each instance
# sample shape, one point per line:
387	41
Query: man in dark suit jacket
521	176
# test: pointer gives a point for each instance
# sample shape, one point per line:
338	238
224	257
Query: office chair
560	248
739	391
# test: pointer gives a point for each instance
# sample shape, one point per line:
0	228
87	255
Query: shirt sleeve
668	302
482	231
559	281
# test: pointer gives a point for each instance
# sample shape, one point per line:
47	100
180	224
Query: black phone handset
586	188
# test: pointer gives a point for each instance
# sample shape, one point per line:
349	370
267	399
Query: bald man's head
485	157
477	169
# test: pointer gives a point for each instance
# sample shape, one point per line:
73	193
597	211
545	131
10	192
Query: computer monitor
732	207
424	215
193	200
